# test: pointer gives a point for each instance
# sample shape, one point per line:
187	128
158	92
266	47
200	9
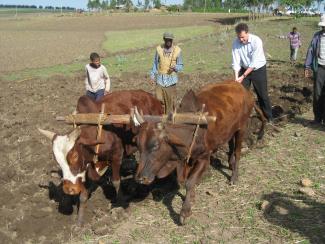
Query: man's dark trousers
319	95
259	79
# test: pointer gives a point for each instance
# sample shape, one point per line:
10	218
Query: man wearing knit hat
167	63
315	63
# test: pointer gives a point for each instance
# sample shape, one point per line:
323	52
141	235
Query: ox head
68	155
156	148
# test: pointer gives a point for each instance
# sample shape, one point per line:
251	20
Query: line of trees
128	4
254	5
34	7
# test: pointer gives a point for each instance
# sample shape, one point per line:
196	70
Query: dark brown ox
75	152
164	148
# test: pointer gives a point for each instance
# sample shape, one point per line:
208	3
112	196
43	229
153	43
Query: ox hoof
233	182
80	223
182	220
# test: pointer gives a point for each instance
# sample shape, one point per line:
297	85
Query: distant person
315	63
97	80
249	65
295	43
167	63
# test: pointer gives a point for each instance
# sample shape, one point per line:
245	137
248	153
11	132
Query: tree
105	5
235	4
128	5
156	3
146	4
94	4
112	4
318	4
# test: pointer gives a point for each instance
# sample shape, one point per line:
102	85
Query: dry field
34	210
33	42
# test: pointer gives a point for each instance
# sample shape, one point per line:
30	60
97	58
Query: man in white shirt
249	65
97	81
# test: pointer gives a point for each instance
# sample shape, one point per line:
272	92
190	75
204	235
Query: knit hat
168	35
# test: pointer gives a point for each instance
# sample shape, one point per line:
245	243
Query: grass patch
117	41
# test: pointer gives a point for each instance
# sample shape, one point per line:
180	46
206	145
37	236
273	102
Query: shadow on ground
300	214
229	21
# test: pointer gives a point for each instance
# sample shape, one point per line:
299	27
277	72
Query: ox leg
239	135
116	179
83	198
231	154
193	179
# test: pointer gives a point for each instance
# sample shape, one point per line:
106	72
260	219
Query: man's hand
308	73
240	79
171	70
152	81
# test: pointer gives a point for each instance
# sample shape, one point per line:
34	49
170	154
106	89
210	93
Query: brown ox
75	152
164	148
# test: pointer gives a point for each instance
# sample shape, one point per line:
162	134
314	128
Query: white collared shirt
249	55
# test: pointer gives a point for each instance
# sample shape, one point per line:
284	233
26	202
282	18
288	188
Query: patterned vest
167	60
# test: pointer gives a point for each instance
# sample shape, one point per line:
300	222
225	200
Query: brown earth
31	206
42	41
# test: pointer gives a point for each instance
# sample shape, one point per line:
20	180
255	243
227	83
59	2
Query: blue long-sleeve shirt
166	80
313	52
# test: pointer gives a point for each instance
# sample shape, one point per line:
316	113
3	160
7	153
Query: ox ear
171	138
47	133
175	140
73	136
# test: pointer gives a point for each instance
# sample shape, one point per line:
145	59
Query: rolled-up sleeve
235	57
179	63
154	70
257	53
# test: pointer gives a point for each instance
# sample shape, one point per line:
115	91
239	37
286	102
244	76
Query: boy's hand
308	73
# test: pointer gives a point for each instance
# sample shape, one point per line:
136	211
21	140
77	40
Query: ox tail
263	119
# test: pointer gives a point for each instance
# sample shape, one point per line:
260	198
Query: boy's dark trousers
96	95
259	79
319	95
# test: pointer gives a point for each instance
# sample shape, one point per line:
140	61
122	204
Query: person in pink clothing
295	43
97	81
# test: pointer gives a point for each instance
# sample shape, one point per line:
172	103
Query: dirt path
32	209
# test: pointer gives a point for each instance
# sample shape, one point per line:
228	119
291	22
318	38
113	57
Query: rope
195	135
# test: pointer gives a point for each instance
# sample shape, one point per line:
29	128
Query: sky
68	3
77	3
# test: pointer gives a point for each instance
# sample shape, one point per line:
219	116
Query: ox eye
155	147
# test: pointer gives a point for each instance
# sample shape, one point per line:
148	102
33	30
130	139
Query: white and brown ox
75	151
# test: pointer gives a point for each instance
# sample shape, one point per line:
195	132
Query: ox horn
138	116
75	134
48	134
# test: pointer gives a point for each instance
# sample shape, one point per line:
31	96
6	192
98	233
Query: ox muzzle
70	188
144	175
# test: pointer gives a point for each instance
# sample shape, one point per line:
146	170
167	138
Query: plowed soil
32	207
